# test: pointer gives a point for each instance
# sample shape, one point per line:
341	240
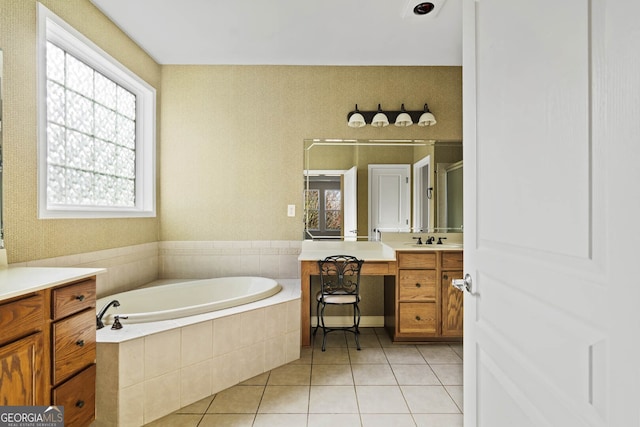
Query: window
96	123
323	207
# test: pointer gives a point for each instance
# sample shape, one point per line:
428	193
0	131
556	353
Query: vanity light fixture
356	120
403	119
379	118
427	118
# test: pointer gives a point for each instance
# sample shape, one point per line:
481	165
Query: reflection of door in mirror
389	199
422	195
449	194
331	204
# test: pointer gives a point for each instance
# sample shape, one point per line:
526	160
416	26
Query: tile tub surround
148	370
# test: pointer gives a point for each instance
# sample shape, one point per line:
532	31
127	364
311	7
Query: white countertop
313	250
16	281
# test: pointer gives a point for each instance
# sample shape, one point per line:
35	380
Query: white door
552	213
389	198
350	203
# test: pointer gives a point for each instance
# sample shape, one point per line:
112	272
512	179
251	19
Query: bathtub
177	300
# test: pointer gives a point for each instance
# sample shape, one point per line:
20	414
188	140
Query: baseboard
340	321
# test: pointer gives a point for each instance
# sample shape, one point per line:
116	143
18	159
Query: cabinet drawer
21	317
417	317
73	298
78	396
417	260
74	344
452	260
417	285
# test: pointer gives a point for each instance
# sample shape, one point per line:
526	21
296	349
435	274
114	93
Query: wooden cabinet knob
445	277
80	297
418	318
79	403
418	285
80	343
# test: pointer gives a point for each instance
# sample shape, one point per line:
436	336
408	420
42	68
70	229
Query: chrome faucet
99	322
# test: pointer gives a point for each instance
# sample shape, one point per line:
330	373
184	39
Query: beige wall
27	237
232	137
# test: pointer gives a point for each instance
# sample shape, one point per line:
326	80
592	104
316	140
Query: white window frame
53	28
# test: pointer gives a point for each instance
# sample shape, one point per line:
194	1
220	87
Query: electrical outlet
291	210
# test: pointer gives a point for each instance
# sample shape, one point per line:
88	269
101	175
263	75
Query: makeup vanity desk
417	285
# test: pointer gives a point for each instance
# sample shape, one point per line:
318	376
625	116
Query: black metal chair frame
339	281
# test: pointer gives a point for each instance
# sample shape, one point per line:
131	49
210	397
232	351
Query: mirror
355	189
1	123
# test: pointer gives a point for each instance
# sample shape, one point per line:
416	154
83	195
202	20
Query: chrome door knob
463	284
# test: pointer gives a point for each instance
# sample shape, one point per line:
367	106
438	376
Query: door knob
463	284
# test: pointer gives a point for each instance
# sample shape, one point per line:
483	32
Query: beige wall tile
161	396
226	334
195	382
197	343
161	353
131	406
132	366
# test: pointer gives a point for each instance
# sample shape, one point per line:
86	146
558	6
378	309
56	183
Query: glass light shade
427	119
356	120
403	119
380	120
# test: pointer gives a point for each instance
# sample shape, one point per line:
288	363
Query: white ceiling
291	32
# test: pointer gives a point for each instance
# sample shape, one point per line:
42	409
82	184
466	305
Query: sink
435	245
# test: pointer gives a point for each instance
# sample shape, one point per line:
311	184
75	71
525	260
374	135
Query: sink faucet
419	242
99	322
430	240
440	240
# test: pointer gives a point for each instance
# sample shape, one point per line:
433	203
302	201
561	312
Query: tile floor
384	384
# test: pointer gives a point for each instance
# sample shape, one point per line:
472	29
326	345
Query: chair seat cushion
338	298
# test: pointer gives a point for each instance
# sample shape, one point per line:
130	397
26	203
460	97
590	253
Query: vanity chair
339	285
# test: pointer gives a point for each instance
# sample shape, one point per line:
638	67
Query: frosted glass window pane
56	184
79	113
79	151
126	132
79	187
105	157
126	103
125	163
332	199
56	105
79	77
105	123
105	91
56	153
55	63
333	219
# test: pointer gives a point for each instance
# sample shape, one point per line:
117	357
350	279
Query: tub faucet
99	322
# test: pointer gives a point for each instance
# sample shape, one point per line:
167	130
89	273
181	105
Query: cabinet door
21	373
452	324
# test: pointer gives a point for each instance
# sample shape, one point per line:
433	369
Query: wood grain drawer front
417	260
78	396
452	260
21	317
417	285
21	372
73	298
74	344
417	318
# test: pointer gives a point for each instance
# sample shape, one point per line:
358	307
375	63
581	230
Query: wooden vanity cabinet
48	350
22	351
423	305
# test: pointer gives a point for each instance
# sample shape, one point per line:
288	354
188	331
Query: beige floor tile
404	355
227	420
331	375
280	420
177	420
285	399
306	356
257	380
438	420
429	399
373	399
449	374
367	355
366	340
199	407
333	356
333	399
439	353
386	420
458	349
240	399
334	420
457	393
334	339
373	375
290	375
415	375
